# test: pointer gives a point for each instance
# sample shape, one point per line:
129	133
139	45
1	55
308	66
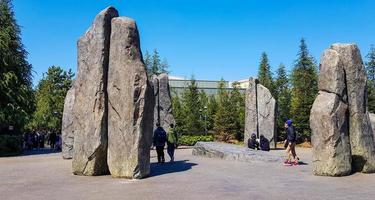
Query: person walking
41	140
291	144
52	139
160	137
171	142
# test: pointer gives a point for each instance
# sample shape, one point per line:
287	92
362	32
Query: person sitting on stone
171	142
252	142
264	143
291	138
159	139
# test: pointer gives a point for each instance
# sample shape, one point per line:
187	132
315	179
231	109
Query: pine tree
50	95
154	64
147	60
283	97
238	103
225	122
203	110
211	112
370	68
264	73
178	113
16	95
304	80
191	104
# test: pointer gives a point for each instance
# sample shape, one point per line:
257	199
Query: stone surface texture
251	112
372	120
67	129
360	130
90	106
131	104
266	114
233	152
340	114
163	103
260	113
330	138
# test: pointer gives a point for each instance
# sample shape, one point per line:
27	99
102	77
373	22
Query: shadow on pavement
170	167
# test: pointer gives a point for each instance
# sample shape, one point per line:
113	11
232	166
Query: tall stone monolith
342	136
131	104
328	120
67	129
163	103
372	120
260	113
90	105
266	106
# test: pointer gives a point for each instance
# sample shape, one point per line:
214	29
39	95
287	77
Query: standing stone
360	130
330	137
67	129
251	112
131	104
266	106
329	121
163	104
372	120
260	113
90	105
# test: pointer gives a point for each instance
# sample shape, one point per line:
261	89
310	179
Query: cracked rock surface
260	113
372	120
67	129
131	104
90	105
233	152
163	103
342	135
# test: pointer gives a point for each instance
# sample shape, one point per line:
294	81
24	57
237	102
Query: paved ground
47	176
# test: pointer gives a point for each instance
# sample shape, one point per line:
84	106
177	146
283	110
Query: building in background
210	87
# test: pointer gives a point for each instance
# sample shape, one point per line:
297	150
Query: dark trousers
160	152
170	150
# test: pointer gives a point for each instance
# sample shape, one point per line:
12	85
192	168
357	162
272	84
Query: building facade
210	87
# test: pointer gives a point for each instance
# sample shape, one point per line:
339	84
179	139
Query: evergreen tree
203	98
191	104
305	88
178	113
225	122
283	97
148	61
16	95
154	64
238	103
370	68
50	95
211	112
265	74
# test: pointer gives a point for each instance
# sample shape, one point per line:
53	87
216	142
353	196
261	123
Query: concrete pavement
48	176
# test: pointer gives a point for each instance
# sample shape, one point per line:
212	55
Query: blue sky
210	39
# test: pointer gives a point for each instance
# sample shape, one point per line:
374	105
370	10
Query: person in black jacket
159	140
264	143
291	138
252	142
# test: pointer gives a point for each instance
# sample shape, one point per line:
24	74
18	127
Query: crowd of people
36	140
